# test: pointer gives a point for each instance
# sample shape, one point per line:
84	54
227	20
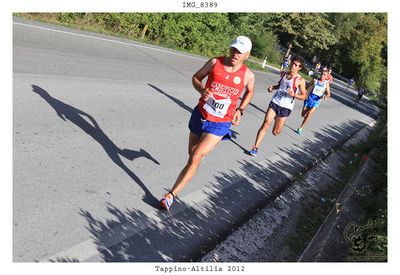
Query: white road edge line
126	43
88	248
109	40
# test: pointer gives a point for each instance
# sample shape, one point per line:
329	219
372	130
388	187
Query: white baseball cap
242	43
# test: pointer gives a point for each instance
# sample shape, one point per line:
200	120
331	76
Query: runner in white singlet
291	86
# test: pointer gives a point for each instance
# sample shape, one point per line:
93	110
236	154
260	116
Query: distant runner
329	78
216	111
291	86
285	63
316	89
360	94
351	82
318	66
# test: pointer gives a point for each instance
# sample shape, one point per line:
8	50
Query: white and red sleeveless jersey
226	89
282	97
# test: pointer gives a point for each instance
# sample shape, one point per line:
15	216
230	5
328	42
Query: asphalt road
100	133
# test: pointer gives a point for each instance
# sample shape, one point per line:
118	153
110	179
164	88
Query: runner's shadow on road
76	116
177	101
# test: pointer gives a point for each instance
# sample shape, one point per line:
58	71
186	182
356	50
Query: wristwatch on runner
241	110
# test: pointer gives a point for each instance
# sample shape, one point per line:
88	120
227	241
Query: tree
304	30
254	26
206	33
362	48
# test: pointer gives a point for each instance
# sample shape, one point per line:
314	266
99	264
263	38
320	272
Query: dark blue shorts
198	124
280	111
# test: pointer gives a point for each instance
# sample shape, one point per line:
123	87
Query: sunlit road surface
100	134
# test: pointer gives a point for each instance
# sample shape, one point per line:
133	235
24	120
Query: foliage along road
100	133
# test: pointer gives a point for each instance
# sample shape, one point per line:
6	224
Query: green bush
70	17
209	34
203	33
264	45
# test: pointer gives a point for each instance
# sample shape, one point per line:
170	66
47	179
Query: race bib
217	107
282	93
318	91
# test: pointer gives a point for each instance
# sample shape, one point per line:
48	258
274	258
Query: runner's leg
307	116
193	142
279	122
304	111
269	117
206	143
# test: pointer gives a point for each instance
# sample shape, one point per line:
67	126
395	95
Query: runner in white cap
216	111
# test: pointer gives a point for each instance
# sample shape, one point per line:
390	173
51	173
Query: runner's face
295	67
237	57
324	75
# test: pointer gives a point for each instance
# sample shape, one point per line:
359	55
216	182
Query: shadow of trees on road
345	97
191	229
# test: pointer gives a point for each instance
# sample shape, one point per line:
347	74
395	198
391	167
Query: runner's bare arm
248	95
311	82
249	85
328	92
200	75
273	88
302	89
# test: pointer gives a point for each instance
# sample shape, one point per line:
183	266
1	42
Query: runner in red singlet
216	111
330	77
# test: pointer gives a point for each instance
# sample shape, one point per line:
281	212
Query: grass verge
372	197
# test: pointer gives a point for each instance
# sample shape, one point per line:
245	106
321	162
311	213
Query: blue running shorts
312	101
199	124
280	111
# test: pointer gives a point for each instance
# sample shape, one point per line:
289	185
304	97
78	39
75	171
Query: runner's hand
236	117
206	93
270	88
